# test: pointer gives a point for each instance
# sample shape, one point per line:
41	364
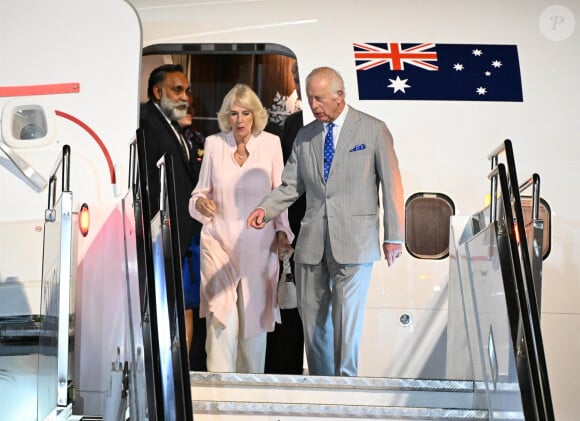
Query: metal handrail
533	181
180	403
142	211
505	147
63	161
525	286
57	281
132	179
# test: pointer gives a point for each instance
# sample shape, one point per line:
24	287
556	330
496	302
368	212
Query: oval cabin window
427	219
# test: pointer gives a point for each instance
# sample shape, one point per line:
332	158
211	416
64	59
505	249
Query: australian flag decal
447	72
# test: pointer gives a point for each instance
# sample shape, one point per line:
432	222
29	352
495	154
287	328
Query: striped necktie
328	150
181	138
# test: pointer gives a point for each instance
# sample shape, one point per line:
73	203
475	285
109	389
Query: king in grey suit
339	235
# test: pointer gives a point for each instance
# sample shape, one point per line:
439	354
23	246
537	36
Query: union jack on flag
429	71
395	56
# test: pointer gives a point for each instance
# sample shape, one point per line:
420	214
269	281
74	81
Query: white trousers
227	351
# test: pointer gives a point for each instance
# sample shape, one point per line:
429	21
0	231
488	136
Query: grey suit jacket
347	205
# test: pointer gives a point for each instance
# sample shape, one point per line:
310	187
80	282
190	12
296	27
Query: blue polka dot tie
328	150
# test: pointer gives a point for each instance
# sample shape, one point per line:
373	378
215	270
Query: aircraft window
427	219
27	125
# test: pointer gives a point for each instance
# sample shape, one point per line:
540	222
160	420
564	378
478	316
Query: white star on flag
399	84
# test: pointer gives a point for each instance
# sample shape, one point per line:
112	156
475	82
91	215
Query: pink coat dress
231	253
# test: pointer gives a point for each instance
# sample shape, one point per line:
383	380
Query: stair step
332	411
265	396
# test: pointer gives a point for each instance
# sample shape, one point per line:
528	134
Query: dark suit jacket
160	139
292	124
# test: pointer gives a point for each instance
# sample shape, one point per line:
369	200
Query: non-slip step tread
335	411
322	382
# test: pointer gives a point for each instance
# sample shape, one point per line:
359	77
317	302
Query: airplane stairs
290	397
494	345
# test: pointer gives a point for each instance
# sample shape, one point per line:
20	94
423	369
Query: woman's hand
284	245
206	207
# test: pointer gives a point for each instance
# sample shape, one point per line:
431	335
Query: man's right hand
256	219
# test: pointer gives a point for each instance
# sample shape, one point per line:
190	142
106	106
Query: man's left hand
392	251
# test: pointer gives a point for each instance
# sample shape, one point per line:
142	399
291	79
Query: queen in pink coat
239	266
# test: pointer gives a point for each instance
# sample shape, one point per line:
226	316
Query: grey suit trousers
331	301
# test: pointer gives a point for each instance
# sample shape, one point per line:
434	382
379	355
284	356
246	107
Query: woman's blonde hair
246	98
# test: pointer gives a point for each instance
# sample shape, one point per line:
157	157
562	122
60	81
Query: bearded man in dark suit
169	95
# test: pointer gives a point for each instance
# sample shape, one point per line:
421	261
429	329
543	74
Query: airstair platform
292	397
